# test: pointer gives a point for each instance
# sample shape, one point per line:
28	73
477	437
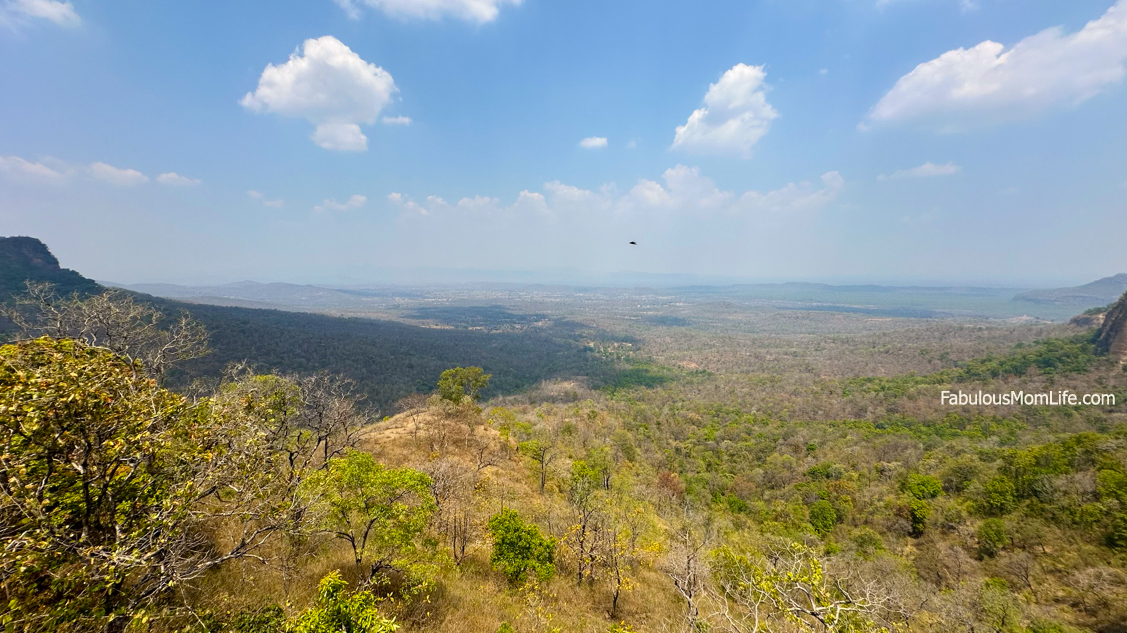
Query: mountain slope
26	258
1098	293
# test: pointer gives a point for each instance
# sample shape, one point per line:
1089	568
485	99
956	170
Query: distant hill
26	258
1098	293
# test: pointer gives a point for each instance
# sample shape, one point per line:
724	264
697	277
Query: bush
922	486
867	542
992	537
519	548
999	496
918	512
335	611
822	517
1117	536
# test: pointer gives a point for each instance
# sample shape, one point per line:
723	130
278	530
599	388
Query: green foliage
519	548
1116	536
92	486
1072	355
381	512
338	612
918	512
826	471
506	628
922	486
822	517
992	537
461	382
867	542
998	497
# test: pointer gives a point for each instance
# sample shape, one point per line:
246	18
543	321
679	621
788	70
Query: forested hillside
387	360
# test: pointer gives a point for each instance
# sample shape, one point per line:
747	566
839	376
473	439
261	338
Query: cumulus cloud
476	11
926	170
684	191
328	85
397	120
174	179
988	83
262	198
119	177
593	142
61	13
25	170
331	204
734	117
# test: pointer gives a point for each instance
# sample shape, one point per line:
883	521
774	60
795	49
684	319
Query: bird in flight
634	243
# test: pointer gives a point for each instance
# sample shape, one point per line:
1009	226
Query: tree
543	452
113	488
337	612
791	584
112	320
992	537
380	512
461	382
822	517
585	485
922	486
519	549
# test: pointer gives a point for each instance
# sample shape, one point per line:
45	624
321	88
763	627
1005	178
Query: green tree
992	537
822	517
111	483
380	512
918	512
338	612
461	382
922	486
999	496
519	548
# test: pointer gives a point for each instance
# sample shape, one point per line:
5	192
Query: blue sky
338	141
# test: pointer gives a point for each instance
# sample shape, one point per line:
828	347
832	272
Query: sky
363	141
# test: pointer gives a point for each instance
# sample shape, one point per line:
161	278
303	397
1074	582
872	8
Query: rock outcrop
26	258
1111	340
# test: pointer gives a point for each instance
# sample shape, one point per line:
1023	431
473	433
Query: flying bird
634	243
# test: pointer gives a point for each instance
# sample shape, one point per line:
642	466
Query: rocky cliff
24	258
1112	336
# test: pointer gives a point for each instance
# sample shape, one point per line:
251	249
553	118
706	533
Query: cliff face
24	258
1112	337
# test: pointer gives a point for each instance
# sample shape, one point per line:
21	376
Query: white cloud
593	142
61	13
682	192
988	83
115	176
176	180
397	120
331	87
26	170
734	117
926	170
274	204
476	11
331	204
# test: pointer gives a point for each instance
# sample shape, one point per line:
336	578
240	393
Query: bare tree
112	320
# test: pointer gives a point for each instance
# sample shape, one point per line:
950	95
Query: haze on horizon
354	141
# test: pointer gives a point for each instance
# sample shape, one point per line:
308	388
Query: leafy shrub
1116	537
867	542
519	548
918	512
822	517
992	537
998	497
922	486
335	611
826	471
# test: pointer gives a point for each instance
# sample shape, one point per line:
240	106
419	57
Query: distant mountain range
1098	293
